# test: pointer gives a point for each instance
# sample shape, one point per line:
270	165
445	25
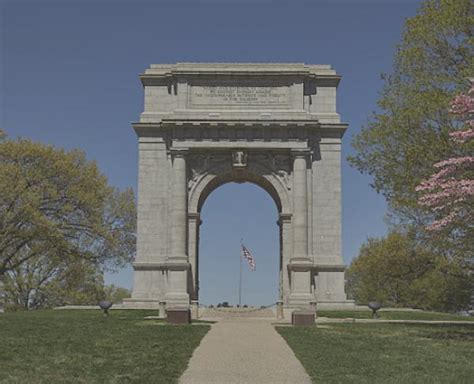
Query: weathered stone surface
207	124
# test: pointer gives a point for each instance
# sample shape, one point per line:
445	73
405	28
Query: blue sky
69	77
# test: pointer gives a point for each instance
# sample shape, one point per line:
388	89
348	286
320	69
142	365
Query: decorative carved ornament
239	159
200	164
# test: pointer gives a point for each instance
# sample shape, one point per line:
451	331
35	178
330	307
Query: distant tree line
400	271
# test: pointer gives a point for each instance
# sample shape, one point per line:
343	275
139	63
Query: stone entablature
274	125
240	92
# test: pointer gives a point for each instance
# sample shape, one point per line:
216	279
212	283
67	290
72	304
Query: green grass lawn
86	347
395	315
384	353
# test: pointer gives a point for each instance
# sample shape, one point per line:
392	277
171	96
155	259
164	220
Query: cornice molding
168	73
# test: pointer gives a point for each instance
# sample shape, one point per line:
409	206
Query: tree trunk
2	294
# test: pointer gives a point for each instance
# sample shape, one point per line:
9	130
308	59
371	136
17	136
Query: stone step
236	312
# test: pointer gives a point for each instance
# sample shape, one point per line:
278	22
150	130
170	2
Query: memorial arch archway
218	172
274	125
235	211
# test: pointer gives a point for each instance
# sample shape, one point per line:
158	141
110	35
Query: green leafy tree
448	194
410	132
398	271
116	294
56	208
46	282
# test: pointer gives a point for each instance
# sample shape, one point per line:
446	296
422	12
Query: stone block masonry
206	124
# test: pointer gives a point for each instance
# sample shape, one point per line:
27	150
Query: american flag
247	255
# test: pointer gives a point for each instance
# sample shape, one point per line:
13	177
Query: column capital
179	153
301	153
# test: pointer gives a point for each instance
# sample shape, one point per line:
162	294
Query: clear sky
69	77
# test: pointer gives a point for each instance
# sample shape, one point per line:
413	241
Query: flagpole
240	276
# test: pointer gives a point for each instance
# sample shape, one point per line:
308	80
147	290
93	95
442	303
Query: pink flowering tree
449	192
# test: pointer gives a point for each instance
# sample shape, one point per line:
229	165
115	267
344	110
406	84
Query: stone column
286	247
179	208
194	222
177	264
300	264
300	206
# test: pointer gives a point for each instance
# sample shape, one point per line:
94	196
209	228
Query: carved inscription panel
238	97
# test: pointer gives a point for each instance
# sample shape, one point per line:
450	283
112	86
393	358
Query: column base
177	299
194	309
301	293
177	295
343	305
300	300
140	304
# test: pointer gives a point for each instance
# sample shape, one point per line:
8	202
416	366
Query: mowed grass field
396	315
384	353
81	346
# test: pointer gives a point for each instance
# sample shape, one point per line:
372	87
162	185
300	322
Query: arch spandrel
203	181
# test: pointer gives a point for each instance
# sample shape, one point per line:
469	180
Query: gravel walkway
244	351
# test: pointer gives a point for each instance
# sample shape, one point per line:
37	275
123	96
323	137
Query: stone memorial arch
274	125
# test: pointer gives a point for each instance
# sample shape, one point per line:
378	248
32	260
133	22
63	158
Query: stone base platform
140	304
345	305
